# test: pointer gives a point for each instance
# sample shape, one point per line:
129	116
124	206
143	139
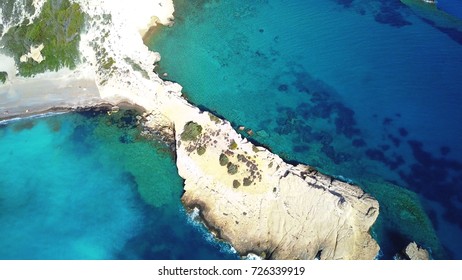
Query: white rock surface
287	212
415	252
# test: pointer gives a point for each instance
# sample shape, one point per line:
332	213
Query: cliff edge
260	204
247	195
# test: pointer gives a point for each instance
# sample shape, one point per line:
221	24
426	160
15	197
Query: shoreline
347	212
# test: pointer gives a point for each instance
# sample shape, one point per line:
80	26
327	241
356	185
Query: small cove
87	186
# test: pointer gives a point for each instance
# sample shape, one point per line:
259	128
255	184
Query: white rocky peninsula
262	205
247	195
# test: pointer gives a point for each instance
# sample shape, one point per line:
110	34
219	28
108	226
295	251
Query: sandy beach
28	96
82	87
129	78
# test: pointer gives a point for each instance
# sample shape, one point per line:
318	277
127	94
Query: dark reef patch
438	179
395	140
385	147
375	154
319	119
126	139
283	87
387	121
445	150
390	16
23	125
80	137
390	12
379	155
403	132
345	3
358	143
301	149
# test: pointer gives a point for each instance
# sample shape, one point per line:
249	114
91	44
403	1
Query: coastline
90	86
47	94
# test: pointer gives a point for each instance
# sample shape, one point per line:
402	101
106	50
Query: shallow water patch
81	193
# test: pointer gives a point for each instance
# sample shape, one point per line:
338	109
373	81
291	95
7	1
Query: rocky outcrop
260	204
247	195
413	252
35	54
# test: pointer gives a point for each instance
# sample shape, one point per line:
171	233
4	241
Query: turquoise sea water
86	186
367	90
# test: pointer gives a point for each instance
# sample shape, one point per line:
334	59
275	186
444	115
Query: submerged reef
249	196
406	217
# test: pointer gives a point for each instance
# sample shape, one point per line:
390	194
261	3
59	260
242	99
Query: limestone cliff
260	204
248	195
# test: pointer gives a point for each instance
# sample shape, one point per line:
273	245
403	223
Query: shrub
214	118
236	184
201	150
58	27
247	181
136	67
191	131
223	160
3	76
232	168
233	145
108	64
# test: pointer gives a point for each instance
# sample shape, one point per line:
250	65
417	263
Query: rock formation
247	195
260	204
413	252
35	54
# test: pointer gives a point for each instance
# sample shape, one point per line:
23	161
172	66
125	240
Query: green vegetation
223	160
201	150
247	181
214	118
255	149
191	131
105	62
136	67
233	145
236	184
232	168
3	77
13	12
58	27
108	64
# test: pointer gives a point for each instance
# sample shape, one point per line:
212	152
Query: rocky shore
249	196
413	252
263	205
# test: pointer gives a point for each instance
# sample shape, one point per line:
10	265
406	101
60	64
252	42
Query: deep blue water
367	90
86	186
453	7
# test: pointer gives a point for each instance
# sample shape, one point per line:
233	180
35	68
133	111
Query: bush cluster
191	131
58	27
